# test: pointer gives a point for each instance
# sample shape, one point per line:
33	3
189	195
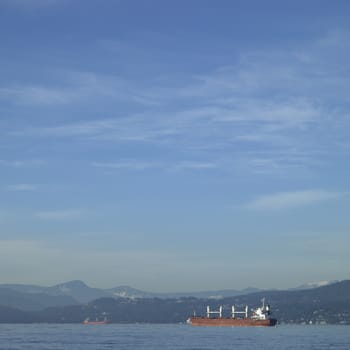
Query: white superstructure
262	313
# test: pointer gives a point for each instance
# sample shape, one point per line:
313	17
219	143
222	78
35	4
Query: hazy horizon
174	145
309	284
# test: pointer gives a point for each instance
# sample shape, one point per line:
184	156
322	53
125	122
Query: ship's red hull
231	322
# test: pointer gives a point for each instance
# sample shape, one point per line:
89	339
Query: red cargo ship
104	321
260	317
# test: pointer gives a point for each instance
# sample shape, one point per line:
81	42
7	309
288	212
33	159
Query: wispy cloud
66	214
22	187
22	163
286	200
131	165
193	166
241	121
75	87
138	165
285	162
35	95
275	100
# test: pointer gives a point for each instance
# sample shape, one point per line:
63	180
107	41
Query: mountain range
328	304
33	297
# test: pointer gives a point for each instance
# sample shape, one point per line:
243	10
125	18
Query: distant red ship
88	321
260	317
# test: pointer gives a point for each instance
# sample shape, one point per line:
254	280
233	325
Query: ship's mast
234	312
209	312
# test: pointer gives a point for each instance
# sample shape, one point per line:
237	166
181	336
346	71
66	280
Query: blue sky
174	145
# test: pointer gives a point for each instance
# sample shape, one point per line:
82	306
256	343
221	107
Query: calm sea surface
113	336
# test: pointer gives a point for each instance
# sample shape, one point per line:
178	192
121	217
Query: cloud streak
166	166
288	200
274	103
74	87
35	95
22	163
22	187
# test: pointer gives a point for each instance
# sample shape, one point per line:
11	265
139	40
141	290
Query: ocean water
137	336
